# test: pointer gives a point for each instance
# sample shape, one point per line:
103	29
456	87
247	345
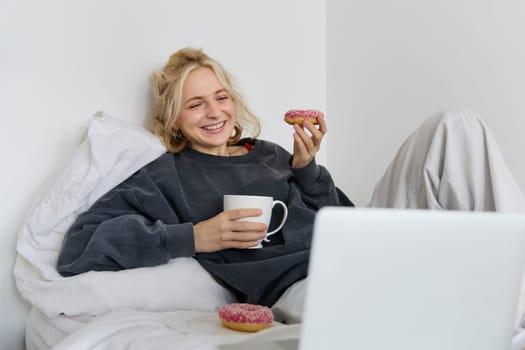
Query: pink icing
246	313
303	113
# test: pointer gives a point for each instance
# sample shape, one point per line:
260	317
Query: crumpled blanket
131	329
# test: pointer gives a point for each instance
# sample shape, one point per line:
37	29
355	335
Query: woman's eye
193	106
222	98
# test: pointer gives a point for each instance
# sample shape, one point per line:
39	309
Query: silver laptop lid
413	279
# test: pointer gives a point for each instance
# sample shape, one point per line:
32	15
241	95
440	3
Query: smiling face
207	118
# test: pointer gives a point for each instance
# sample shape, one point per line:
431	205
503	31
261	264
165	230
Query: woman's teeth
214	126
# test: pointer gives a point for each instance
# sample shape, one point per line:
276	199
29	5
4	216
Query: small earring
178	135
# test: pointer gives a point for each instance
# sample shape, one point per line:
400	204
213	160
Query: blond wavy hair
167	94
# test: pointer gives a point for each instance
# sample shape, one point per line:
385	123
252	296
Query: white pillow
111	152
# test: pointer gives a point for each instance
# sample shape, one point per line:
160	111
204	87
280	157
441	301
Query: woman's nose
213	109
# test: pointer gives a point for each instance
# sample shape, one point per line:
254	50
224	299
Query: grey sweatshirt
148	219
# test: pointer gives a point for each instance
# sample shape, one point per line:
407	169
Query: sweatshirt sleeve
318	187
126	228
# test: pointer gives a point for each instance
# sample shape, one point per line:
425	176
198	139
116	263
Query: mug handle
285	216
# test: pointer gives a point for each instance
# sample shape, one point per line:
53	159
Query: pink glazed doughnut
245	317
298	116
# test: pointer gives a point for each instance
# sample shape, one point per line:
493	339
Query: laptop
413	279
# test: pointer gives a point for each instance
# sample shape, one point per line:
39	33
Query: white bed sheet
129	329
132	329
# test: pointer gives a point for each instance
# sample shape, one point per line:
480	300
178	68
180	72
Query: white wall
60	61
393	63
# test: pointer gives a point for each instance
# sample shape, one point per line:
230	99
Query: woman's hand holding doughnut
306	146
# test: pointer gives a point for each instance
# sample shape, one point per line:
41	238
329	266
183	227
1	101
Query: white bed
146	308
168	306
144	330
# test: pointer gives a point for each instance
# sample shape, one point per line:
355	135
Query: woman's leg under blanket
289	307
450	162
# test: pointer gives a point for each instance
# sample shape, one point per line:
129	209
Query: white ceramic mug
265	203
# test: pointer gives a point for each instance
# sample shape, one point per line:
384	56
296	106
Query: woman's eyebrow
202	97
193	98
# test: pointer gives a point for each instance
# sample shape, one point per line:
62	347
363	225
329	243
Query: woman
173	206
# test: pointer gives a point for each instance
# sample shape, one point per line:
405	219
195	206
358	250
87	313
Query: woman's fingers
228	230
304	137
299	143
312	141
241	244
322	125
307	145
317	132
242	239
237	214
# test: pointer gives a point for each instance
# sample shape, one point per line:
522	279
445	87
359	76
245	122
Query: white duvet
131	329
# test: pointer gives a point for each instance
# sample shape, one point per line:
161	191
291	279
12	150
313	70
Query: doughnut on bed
246	317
